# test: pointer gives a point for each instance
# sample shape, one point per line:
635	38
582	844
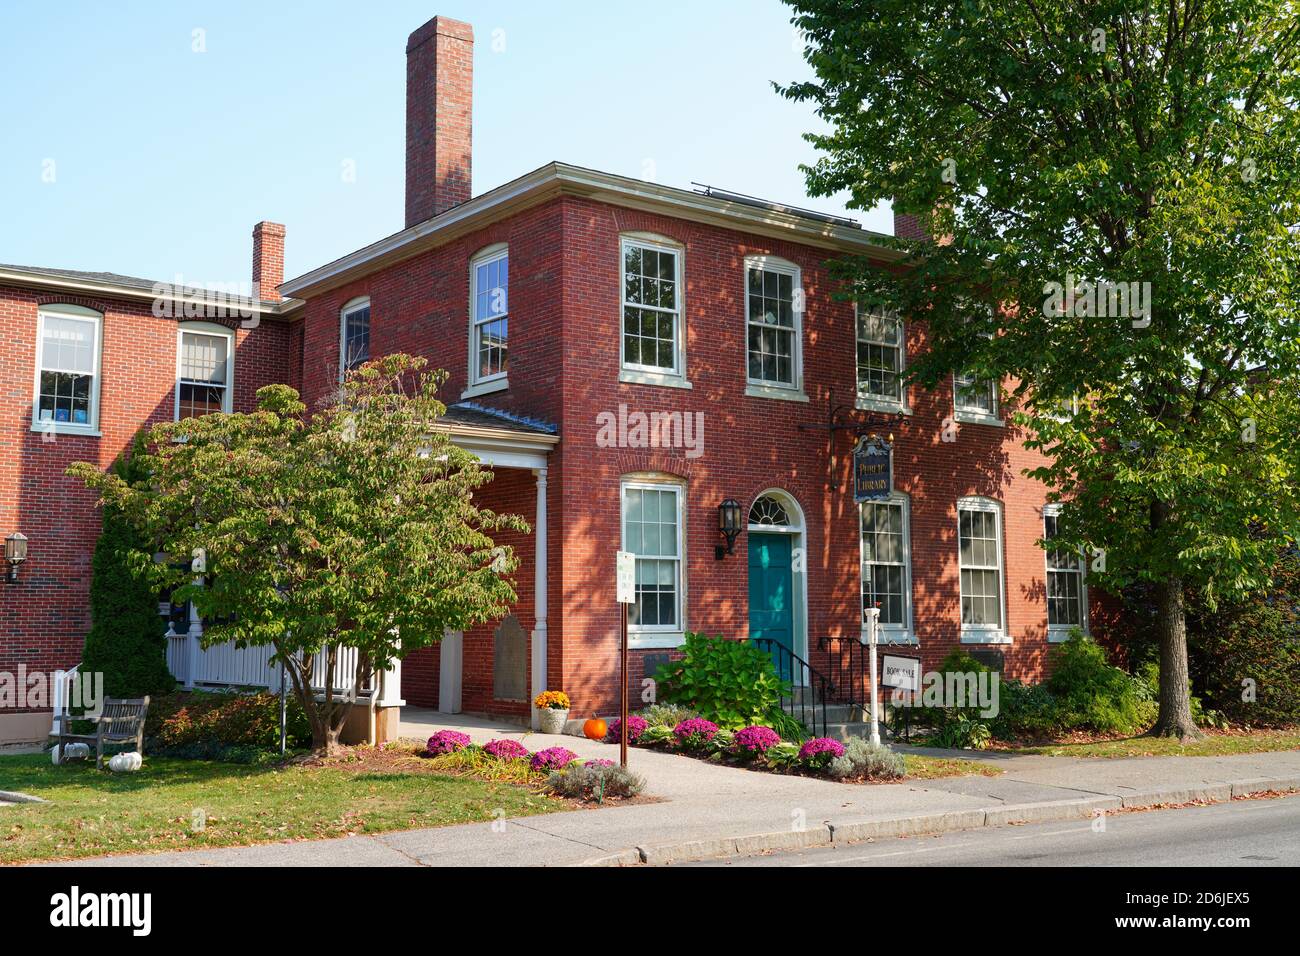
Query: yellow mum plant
555	699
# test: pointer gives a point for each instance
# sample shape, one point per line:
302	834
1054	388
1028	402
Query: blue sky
162	158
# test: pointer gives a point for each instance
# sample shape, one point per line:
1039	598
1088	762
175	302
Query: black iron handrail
807	700
849	674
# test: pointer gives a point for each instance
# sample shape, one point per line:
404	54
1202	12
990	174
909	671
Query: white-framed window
979	558
652	530
354	334
882	355
489	278
205	369
65	396
887	565
974	398
1067	593
773	323
652	340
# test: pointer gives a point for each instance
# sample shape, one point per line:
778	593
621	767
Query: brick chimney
907	226
268	259
439	111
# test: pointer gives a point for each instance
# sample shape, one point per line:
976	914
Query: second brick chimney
268	259
439	113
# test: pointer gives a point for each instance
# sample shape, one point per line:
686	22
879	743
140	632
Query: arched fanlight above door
768	510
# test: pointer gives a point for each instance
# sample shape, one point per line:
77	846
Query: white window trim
658	636
984	633
206	328
894	633
91	428
644	374
352	305
497	381
969	414
1059	633
761	387
874	403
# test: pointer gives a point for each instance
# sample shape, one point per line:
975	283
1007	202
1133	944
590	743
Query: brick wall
45	616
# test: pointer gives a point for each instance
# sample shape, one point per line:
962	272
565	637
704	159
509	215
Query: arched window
768	510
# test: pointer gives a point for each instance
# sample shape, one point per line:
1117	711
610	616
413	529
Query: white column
539	593
451	660
193	646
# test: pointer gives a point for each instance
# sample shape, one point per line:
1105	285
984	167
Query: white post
539	594
871	622
193	645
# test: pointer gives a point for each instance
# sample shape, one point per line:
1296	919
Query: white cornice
562	179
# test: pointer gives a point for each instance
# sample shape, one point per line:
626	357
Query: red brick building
627	357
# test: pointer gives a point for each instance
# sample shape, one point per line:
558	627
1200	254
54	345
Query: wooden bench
120	722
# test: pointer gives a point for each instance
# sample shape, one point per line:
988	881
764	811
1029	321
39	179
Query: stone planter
553	720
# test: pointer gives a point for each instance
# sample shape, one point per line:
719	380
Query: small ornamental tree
1115	191
355	527
127	641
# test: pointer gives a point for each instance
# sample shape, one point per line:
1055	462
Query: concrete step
834	713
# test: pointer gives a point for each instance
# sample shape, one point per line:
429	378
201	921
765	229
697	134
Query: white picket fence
225	665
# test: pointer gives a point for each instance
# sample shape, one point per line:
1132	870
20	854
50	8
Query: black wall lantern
729	518
15	554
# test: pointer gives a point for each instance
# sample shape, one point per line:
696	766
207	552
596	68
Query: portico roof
500	438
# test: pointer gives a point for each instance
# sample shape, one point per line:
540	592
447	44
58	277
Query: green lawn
92	812
1213	745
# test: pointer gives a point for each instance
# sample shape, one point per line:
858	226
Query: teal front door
771	594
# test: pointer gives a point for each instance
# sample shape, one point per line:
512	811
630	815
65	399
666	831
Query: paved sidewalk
708	810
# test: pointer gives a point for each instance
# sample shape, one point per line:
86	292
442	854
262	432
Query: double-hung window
979	544
881	354
1066	594
205	362
653	337
773	323
886	565
652	530
490	318
67	369
975	398
354	334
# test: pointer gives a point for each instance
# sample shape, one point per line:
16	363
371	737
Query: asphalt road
1238	833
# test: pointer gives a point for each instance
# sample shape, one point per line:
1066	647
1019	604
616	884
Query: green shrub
656	734
1093	695
963	733
201	722
873	761
732	683
666	715
1024	710
595	782
126	641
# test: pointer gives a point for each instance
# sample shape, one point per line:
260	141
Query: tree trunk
1175	719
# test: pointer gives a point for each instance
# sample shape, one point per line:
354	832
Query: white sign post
625	591
871	632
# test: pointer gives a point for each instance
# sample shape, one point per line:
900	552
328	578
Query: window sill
775	391
881	405
978	418
984	637
1059	635
486	388
633	377
655	640
57	428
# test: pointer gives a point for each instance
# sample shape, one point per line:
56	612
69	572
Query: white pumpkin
125	763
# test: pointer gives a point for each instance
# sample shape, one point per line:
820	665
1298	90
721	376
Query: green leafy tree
1059	145
353	528
127	641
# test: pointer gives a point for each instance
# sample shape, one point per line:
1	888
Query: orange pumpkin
595	729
